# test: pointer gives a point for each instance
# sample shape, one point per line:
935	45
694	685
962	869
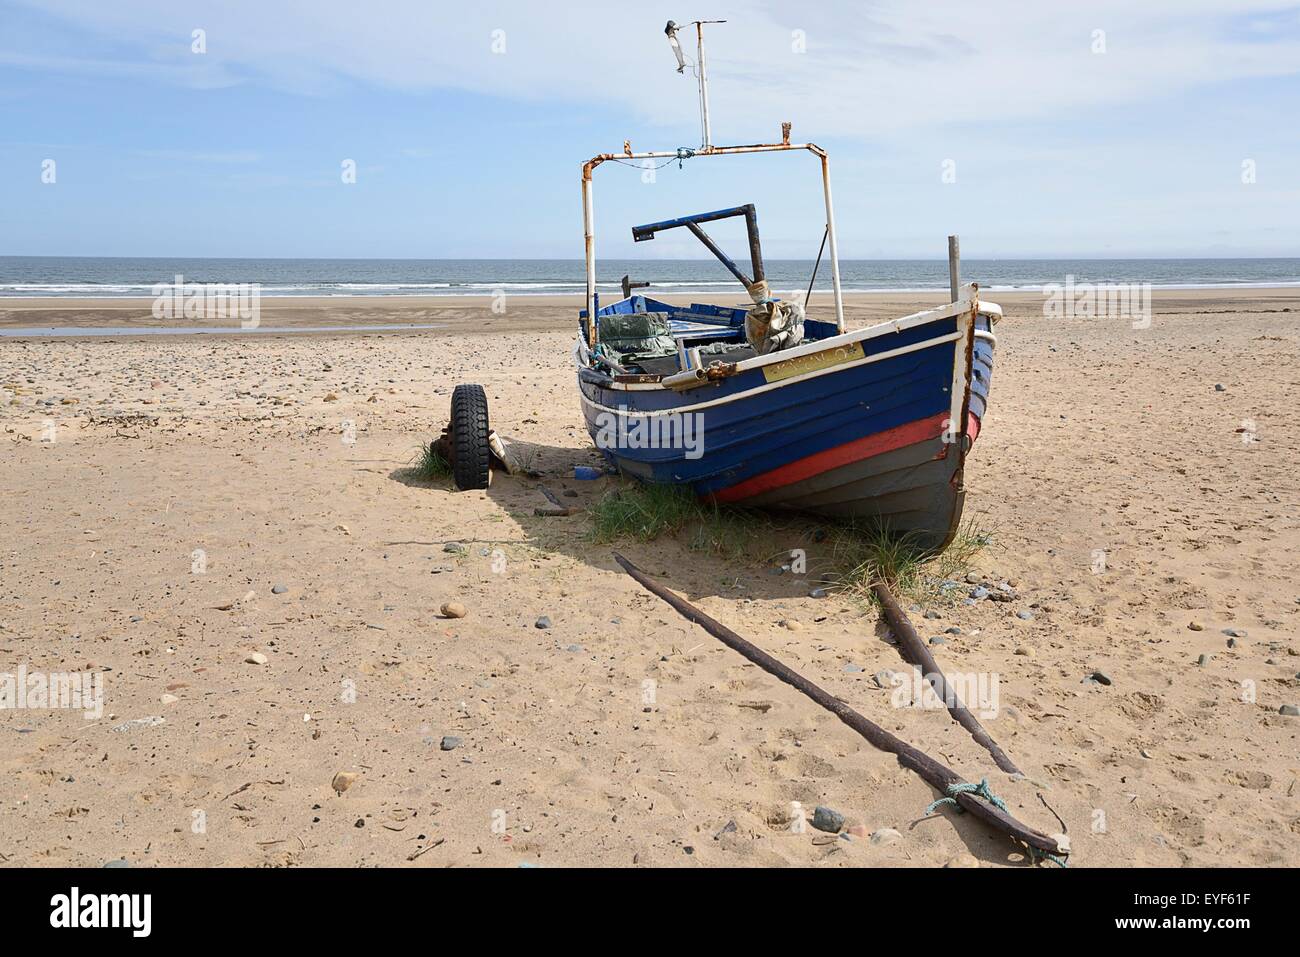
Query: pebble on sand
449	741
1290	710
255	658
279	589
344	780
793	624
542	622
454	609
886	835
1195	626
827	819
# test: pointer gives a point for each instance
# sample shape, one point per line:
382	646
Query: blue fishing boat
763	405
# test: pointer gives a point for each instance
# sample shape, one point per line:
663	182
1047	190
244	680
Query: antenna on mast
701	72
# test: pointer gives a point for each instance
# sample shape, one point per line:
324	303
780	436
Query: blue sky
468	127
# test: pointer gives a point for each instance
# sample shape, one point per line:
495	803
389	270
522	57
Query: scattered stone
792	624
169	699
542	622
933	615
344	780
255	658
886	836
1025	651
279	589
858	830
1203	660
883	678
1290	710
453	548
1100	677
574	648
954	630
152	721
938	640
120	862
818	593
963	860
1025	615
979	593
1232	642
449	741
1234	633
1220	387
853	669
728	828
1145	753
973	578
331	397
828	820
1195	626
454	609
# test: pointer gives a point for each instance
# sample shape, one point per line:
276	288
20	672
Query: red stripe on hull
846	454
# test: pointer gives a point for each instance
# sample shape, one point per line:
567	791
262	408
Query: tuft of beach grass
861	557
429	466
642	512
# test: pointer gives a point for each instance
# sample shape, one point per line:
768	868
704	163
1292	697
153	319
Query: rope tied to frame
1040	855
982	790
979	790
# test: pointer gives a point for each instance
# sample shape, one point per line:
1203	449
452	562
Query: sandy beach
224	529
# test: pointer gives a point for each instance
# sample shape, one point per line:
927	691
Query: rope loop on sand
979	790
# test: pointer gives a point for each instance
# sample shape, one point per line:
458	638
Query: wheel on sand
469	434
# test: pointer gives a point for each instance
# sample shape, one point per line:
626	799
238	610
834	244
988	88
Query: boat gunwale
689	380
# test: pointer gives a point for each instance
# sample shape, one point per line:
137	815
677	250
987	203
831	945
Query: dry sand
280	457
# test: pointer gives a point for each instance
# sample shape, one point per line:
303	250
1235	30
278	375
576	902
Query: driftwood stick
937	775
556	507
916	653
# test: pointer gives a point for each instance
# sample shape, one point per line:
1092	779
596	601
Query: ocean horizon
118	277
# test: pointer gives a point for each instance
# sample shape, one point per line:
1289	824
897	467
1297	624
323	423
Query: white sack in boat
774	325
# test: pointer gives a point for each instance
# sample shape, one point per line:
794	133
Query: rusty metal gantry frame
589	226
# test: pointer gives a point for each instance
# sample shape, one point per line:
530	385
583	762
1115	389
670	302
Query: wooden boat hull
852	427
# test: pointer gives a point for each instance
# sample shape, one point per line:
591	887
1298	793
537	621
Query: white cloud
869	69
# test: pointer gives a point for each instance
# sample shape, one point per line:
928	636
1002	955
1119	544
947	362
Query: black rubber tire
469	433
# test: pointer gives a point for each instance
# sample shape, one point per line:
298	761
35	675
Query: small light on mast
671	32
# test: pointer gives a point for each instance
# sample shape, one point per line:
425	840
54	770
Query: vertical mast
704	84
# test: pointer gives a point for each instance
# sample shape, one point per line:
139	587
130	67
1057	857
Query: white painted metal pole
835	254
589	233
704	86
